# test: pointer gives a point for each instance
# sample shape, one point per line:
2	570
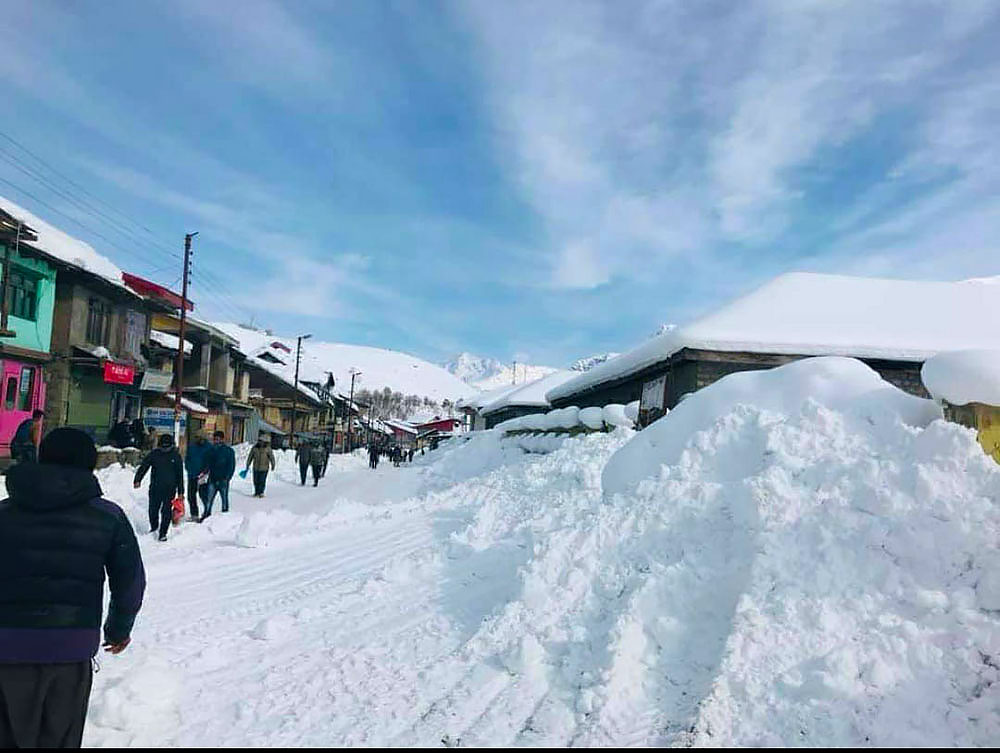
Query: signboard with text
653	393
118	373
162	419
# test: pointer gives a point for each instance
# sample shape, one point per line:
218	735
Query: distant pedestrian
410	455
303	456
120	435
194	464
373	457
317	459
60	538
220	462
261	458
138	430
166	482
24	443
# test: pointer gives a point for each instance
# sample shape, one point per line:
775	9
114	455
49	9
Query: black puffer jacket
58	538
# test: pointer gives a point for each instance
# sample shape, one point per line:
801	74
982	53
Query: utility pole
179	368
513	375
350	403
295	394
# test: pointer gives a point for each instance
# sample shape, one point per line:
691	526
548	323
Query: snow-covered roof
816	314
532	394
169	341
401	425
964	376
379	368
66	248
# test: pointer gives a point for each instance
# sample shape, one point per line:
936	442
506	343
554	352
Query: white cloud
652	132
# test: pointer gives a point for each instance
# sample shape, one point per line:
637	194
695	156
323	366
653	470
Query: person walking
261	457
167	481
372	456
24	443
60	539
221	465
317	459
303	455
410	455
195	464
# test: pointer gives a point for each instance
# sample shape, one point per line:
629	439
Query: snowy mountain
379	368
586	364
488	373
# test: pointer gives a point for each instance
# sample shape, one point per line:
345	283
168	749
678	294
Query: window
135	331
98	321
27	388
10	393
22	294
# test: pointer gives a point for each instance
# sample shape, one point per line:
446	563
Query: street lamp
350	403
295	394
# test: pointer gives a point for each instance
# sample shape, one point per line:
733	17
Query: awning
191	405
269	429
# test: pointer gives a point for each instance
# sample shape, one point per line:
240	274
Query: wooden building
891	325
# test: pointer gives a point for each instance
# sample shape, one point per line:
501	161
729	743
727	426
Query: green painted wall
89	400
35	335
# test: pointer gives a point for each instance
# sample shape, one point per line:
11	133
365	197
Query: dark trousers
259	481
303	470
317	474
160	512
194	492
43	705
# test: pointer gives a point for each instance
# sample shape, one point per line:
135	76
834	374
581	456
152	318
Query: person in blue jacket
194	464
221	464
60	539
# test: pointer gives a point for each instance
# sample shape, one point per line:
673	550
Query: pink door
22	390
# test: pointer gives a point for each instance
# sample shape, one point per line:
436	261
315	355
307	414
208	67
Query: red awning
153	290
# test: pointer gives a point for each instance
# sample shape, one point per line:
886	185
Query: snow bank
964	376
812	560
843	384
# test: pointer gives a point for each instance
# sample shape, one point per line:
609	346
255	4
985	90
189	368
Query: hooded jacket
261	457
58	539
194	459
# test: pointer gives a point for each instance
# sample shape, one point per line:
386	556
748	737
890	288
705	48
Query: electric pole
179	368
513	375
295	394
350	402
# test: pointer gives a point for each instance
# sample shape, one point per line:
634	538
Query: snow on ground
809	571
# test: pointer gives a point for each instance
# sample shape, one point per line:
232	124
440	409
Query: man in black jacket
167	482
58	538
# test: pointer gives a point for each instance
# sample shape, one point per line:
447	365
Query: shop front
23	393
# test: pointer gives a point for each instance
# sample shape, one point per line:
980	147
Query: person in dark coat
167	481
138	430
59	538
317	459
410	455
24	443
120	435
221	464
302	456
194	464
373	456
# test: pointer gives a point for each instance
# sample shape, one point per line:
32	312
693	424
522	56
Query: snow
487	374
169	341
379	368
64	247
811	563
964	376
816	314
842	384
531	394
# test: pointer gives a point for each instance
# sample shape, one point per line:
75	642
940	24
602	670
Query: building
29	286
403	433
891	325
521	399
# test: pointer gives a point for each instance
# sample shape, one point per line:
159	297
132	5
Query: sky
530	180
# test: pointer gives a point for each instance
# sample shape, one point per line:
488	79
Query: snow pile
964	376
815	566
842	384
561	420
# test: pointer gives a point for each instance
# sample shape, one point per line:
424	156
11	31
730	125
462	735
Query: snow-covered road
798	575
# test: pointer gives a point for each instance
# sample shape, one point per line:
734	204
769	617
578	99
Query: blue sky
537	180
